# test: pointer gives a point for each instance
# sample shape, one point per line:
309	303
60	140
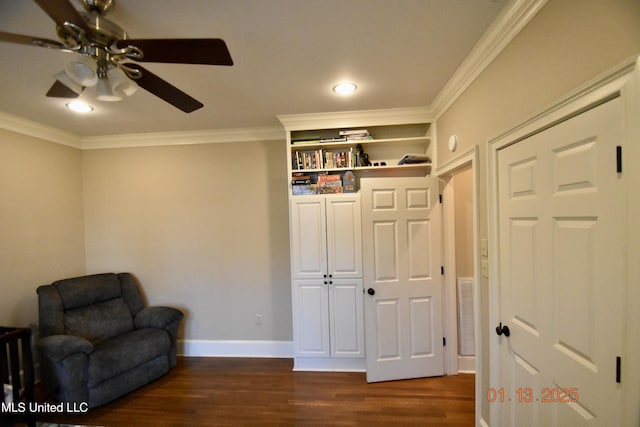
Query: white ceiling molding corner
213	136
511	20
30	128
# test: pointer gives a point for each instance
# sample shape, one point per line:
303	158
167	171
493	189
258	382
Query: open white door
561	228
402	280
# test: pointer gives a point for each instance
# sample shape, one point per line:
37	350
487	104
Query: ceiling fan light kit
121	84
82	71
106	92
64	78
104	47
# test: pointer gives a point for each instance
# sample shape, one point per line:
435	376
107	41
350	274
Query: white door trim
468	159
623	81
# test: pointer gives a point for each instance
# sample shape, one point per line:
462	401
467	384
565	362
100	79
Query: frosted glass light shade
63	78
121	85
82	71
105	91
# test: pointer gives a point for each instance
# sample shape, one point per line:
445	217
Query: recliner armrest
157	317
58	347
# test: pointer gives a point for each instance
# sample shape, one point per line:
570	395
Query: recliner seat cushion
99	322
125	352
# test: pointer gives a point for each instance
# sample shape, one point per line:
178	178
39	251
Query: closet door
403	302
562	262
308	237
344	236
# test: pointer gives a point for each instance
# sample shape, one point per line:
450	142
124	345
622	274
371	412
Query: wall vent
466	335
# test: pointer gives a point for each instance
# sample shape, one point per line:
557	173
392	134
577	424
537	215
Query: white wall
463	208
203	227
41	222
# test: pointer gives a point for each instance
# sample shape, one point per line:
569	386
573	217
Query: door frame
623	81
469	159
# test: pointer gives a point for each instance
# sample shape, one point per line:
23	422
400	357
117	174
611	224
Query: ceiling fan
104	47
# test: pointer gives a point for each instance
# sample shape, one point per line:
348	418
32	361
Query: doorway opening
460	191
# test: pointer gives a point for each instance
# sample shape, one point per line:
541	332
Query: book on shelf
341	136
356	134
300	180
317	140
329	183
349	182
324	159
409	159
304	189
328	178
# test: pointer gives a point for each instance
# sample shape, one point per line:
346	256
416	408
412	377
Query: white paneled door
561	260
402	279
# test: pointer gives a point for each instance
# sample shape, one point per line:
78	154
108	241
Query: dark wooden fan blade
62	11
181	51
164	90
30	40
58	90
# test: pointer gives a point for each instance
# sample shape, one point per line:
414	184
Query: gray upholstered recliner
98	341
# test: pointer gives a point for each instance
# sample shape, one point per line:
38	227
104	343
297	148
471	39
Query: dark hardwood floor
265	392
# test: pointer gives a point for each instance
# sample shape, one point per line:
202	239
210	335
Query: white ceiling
287	56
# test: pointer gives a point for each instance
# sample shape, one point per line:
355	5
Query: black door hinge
618	369
440	198
444	341
442	270
619	159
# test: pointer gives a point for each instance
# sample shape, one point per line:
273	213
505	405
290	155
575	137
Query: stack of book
302	184
329	184
341	136
355	134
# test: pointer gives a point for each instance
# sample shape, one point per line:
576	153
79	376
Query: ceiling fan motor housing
101	7
105	32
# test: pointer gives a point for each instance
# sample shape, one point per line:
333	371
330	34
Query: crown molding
391	116
213	136
511	20
38	130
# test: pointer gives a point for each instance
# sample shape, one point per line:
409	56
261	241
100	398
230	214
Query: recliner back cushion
100	321
93	307
87	290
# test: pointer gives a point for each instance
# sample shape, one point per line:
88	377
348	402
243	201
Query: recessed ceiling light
345	88
79	107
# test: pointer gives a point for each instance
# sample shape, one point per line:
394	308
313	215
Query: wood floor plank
266	392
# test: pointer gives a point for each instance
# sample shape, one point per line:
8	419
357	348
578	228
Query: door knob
503	330
371	291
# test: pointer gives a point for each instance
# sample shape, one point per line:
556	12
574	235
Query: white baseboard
466	364
235	348
329	364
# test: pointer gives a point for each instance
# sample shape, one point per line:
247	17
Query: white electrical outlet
258	319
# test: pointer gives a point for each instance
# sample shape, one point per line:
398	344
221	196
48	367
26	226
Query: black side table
16	357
